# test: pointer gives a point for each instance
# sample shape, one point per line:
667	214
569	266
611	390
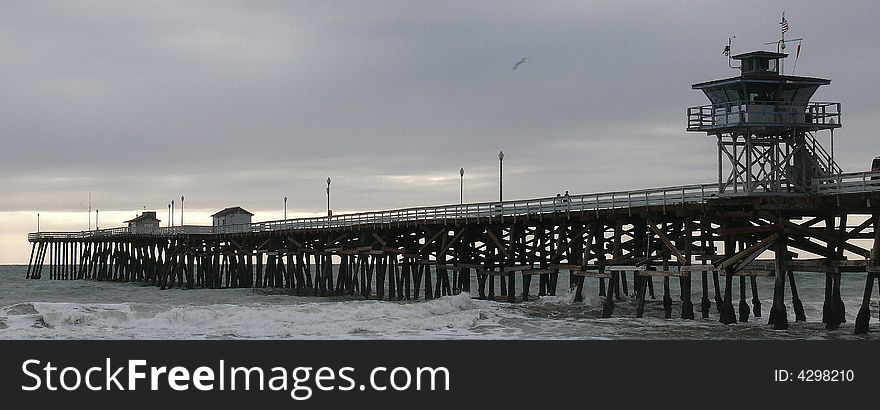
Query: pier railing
847	183
663	197
817	115
668	196
474	211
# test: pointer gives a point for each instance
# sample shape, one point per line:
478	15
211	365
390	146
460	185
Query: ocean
80	309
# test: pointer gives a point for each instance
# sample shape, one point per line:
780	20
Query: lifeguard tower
766	128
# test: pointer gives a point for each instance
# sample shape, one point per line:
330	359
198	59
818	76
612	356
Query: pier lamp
285	208
38	222
461	186
96	220
500	176
169	215
172	212
328	196
181	210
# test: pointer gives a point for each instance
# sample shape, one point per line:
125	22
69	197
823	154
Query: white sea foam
447	317
100	310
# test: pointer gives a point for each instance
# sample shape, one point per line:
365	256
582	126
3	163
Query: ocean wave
449	316
106	310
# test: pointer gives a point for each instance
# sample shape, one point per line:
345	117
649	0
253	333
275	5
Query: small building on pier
232	216
146	222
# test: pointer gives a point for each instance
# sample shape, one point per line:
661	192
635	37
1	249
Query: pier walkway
848	183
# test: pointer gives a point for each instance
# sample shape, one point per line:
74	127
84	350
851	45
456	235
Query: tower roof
760	53
790	80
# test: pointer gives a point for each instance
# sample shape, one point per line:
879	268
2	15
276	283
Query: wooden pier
781	207
672	234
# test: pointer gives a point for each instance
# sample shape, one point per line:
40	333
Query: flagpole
781	46
782	29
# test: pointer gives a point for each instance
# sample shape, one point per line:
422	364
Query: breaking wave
101	310
447	317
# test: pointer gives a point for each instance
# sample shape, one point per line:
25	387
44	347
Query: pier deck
850	183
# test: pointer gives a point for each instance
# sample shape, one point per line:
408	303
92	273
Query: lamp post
169	215
461	186
181	210
38	222
328	196
96	220
285	208
500	176
172	212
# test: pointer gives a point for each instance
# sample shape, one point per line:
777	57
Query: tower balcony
764	114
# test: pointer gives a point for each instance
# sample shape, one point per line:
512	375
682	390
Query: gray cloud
242	103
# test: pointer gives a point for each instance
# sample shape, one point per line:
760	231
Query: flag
784	24
798	53
726	50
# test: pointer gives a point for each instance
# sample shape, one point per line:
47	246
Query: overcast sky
242	103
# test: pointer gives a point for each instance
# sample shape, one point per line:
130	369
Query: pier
781	207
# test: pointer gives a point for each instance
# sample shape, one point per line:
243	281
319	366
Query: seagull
523	60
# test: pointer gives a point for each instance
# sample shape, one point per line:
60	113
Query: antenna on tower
727	52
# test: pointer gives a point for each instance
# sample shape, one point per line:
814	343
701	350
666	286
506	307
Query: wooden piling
863	318
743	305
798	306
667	299
687	306
756	301
778	316
726	312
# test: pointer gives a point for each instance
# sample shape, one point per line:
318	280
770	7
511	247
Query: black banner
432	374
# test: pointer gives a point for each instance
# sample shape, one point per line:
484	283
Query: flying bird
523	60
